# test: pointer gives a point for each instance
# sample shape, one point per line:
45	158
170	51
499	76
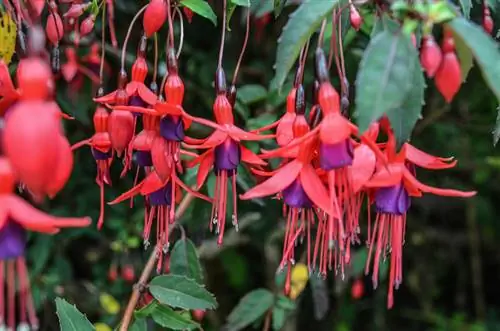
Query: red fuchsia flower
72	67
189	14
38	151
393	186
260	26
87	25
101	147
487	20
335	155
18	217
224	154
449	76
154	17
54	28
354	17
37	5
430	56
76	10
8	92
301	189
92	60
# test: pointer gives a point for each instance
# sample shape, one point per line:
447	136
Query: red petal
334	128
362	167
448	77
424	160
146	95
108	98
282	179
132	87
284	131
129	194
136	109
35	220
153	183
63	168
203	121
263	173
206	163
266	127
213	140
284	149
410	179
250	157
164	108
315	190
239	134
385	177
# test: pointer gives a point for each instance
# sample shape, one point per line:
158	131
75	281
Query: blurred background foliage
451	256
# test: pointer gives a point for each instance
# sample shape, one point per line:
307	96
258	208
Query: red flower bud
113	272
63	167
189	14
488	23
121	129
355	18
128	273
87	25
430	56
34	79
357	289
154	17
448	77
198	314
31	128
54	28
37	5
76	10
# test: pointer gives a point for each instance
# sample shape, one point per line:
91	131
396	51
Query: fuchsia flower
17	217
224	154
393	186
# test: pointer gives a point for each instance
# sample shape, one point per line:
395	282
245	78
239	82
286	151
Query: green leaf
168	318
181	292
251	93
496	132
464	56
70	318
484	49
285	303
250	308
243	3
202	8
278	7
184	260
139	325
466	6
147	310
384	23
403	118
302	24
321	301
279	318
358	261
385	76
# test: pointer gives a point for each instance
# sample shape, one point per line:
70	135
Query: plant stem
141	285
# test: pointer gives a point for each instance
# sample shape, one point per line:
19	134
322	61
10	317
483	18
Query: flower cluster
36	156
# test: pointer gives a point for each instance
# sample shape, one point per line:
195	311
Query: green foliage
181	292
70	319
391	60
167	317
184	261
299	28
250	308
202	8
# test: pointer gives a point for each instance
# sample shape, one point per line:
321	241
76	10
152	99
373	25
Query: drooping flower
393	186
224	154
102	152
17	217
